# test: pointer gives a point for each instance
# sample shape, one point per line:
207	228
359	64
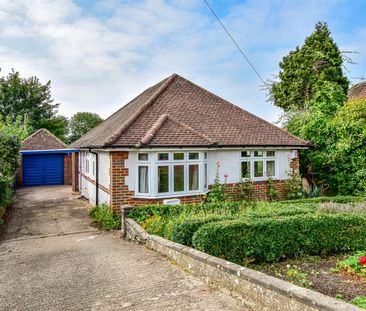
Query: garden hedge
141	214
335	199
267	240
183	232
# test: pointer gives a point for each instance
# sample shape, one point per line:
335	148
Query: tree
11	135
57	125
311	72
348	154
27	96
311	89
81	123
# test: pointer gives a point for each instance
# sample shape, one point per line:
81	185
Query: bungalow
168	142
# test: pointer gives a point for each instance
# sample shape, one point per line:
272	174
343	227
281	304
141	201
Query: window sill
169	196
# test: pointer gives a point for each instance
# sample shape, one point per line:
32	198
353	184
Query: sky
98	55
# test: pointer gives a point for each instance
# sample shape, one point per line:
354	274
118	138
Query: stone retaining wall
257	290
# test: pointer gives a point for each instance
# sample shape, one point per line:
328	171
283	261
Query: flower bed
270	232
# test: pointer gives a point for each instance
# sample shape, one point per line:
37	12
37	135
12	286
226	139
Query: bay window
143	178
163	179
193	177
178	178
171	173
258	164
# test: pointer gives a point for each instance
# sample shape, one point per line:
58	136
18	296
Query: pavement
52	258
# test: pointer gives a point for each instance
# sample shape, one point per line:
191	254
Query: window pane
205	172
178	178
143	179
163	179
163	156
271	153
271	168
258	153
245	154
193	177
258	168
205	156
193	156
143	156
178	156
245	169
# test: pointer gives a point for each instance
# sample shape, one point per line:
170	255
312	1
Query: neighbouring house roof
358	90
42	140
177	112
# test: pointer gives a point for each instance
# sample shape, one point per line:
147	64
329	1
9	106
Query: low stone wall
257	290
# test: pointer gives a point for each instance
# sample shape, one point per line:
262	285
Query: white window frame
148	179
153	163
263	158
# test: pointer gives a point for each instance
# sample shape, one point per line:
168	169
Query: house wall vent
171	201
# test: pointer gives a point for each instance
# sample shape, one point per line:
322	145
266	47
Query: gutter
96	176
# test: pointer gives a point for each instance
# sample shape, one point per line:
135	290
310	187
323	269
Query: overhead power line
237	45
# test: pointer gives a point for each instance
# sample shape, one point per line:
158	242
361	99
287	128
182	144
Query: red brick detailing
260	190
295	163
67	169
120	194
75	171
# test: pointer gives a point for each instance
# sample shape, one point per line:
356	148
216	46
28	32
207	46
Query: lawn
315	243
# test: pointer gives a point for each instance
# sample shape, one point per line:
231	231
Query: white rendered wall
230	164
88	188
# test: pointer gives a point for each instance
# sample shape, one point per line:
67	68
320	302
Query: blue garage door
43	169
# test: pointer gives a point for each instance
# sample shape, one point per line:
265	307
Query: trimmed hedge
141	214
336	199
283	210
268	240
182	233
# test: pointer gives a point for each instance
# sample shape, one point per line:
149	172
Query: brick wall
120	194
67	169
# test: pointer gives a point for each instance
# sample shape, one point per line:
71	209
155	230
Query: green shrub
294	188
183	232
279	238
141	214
359	301
283	212
352	264
6	191
105	217
336	199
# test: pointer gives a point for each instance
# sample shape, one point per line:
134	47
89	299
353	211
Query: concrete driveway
52	259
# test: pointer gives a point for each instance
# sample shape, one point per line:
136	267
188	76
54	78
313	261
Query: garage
45	161
43	169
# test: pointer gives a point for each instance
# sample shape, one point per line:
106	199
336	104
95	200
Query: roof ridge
246	111
123	107
137	113
161	121
153	130
48	132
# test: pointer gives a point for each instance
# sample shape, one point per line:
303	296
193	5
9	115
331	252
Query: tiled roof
177	112
358	90
42	140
